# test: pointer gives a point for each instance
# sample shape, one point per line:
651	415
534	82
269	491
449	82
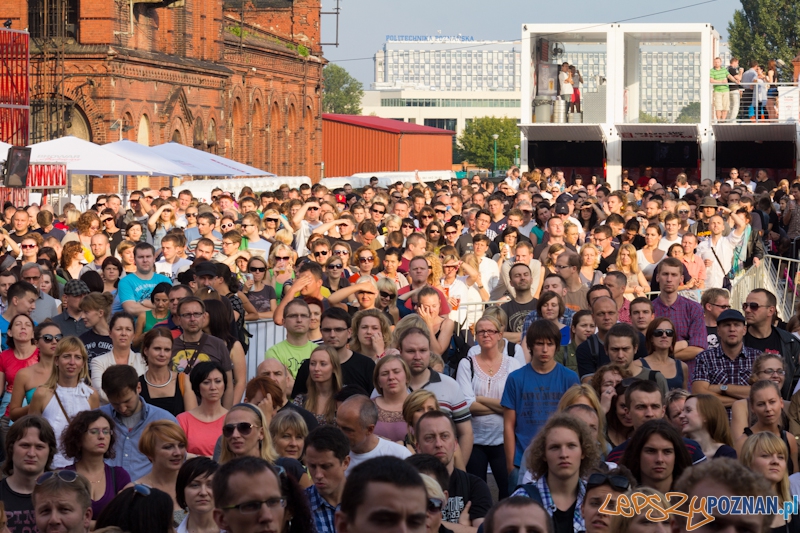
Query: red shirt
444	307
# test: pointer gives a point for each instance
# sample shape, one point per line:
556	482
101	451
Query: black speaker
15	173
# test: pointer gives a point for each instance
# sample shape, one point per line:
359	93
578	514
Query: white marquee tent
84	157
203	163
145	156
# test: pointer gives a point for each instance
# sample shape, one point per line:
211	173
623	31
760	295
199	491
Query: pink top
10	365
696	268
201	436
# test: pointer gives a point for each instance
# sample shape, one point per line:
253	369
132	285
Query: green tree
645	118
342	93
764	30
476	144
690	114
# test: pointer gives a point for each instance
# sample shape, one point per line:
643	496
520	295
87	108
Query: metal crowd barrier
265	333
780	276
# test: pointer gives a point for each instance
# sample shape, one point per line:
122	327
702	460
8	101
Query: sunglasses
618	483
51	338
408	226
753	307
376	211
273	220
335	266
244	429
451	233
313	208
257	269
441	211
191	215
426	217
435	505
27	246
663	332
282	258
366	260
341	252
436	231
322	253
64	475
386	295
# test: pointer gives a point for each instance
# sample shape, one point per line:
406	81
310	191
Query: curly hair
386	327
72	437
437	272
85	221
71	250
537	462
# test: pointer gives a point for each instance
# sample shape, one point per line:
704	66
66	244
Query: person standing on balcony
565	84
734	77
719	80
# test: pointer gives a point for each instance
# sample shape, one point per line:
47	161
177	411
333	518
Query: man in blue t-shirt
22	298
133	292
532	393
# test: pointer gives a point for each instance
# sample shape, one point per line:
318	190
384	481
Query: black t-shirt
562	520
771	344
464	244
517	313
114	239
733	72
19	510
713	339
465	488
606	262
355	371
311	420
96	344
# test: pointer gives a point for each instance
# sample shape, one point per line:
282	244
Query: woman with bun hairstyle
96	309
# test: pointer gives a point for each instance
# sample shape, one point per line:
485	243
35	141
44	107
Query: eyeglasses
191	316
322	253
618	483
257	269
313	208
408	226
254	507
331	266
663	332
753	306
366	260
228	243
282	258
386	295
435	505
98	431
440	211
436	231
772	371
64	475
216	197
191	215
333	330
724	307
51	338
244	429
485	332
341	252
451	233
376	211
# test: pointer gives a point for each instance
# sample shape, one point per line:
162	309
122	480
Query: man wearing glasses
251	224
296	348
764	337
377	212
603	237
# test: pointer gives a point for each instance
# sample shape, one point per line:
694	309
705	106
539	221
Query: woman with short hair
203	424
288	431
194	495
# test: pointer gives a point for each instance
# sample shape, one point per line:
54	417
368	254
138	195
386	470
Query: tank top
672	383
785	439
173	404
150	321
74	400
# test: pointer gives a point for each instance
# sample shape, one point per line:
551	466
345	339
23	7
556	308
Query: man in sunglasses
725	371
304	222
762	335
251	226
29	448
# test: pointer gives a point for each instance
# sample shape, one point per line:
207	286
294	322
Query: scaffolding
14	87
53	26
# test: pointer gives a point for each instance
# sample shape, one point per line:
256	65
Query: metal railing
780	276
760	102
265	333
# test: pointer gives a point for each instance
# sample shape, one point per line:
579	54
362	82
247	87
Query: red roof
385	124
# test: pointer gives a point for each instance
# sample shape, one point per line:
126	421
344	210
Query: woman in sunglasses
407	227
161	221
435	235
281	268
366	260
261	294
89	440
163	442
204	423
599	486
436	502
660	337
67	392
272	223
28	379
769	366
387	299
335	278
344	251
246	434
705	421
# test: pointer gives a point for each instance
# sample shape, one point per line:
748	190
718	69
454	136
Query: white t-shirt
519	355
384	447
665	243
566	88
490	273
460	290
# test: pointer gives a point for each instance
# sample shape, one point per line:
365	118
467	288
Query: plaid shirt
322	511
717	368
533	316
544	491
690	326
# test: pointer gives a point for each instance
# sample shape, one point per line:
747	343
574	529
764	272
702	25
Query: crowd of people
457	356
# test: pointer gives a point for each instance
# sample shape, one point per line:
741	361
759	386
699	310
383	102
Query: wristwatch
480	287
723	388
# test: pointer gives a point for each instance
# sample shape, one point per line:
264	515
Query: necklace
158	386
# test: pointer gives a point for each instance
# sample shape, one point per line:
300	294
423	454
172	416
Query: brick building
241	78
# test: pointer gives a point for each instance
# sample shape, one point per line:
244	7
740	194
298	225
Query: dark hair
113	261
17	432
220	317
314	268
119	378
201	371
191	299
337	313
135	513
93	280
143	246
542	329
642	385
632	456
348	391
20	289
192	469
431	415
119	315
328	438
430	465
161	288
10	339
152	335
385	469
622	331
514	502
37	331
72	437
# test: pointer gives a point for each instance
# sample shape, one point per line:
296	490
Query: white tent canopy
145	156
199	163
4	150
84	157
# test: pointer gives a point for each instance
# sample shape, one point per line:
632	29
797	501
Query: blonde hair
432	487
266	450
284	236
280	246
557	247
386	327
772	444
632	254
407	322
591	246
69	344
498	315
312	397
585	390
436	273
123	247
387	285
381	363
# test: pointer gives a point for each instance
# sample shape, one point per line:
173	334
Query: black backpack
511	348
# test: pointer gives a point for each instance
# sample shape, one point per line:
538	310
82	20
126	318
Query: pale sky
364	24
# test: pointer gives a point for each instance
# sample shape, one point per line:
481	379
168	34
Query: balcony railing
759	102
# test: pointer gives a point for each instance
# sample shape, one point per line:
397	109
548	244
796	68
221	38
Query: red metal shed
352	144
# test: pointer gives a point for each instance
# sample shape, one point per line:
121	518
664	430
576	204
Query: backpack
510	350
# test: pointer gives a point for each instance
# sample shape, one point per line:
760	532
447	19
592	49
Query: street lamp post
494	169
516	155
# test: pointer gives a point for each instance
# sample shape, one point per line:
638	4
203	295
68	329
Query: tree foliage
342	93
646	118
476	144
764	30
690	114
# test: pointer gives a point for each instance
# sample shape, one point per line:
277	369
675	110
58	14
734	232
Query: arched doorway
239	148
143	135
292	146
275	136
258	135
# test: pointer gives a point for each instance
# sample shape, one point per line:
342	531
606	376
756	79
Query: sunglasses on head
663	332
618	483
244	429
64	475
